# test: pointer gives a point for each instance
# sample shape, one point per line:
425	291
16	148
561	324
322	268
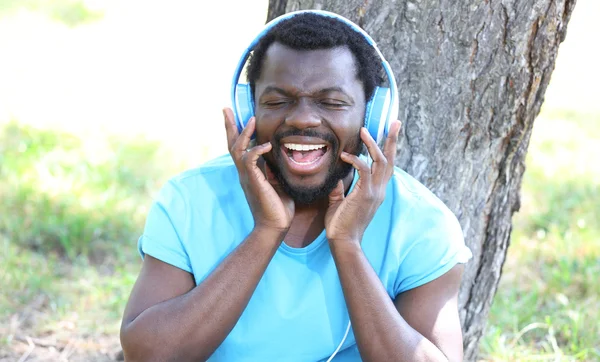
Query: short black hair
310	31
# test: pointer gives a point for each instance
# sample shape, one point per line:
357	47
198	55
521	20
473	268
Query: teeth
300	147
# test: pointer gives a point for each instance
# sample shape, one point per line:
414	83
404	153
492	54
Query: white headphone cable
341	343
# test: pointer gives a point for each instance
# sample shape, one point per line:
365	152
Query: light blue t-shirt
298	312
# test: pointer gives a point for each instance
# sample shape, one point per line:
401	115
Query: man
268	253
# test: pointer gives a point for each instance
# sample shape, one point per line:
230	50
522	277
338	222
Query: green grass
89	296
71	212
71	207
62	194
548	304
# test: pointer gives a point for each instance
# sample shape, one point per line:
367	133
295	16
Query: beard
338	169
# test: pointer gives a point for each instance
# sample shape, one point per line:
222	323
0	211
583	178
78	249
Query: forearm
193	325
380	331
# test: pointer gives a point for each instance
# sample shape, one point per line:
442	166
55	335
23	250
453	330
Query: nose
303	114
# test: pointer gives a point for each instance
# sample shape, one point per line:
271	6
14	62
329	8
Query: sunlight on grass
548	304
69	12
62	194
72	210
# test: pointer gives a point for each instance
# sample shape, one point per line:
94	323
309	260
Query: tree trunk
472	77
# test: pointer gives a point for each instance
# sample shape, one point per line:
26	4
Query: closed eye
275	104
333	104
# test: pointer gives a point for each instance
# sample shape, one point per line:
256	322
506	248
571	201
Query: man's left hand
348	217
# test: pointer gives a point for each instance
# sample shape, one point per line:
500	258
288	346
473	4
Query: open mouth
304	154
304	158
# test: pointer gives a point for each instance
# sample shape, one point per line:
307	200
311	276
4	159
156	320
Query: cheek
267	124
264	130
348	127
349	137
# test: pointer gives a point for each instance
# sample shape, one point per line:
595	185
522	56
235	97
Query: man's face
310	106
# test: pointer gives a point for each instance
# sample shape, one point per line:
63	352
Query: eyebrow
271	88
282	91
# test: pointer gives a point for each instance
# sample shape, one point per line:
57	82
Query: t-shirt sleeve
435	245
164	225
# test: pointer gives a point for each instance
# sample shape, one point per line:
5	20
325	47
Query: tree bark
471	77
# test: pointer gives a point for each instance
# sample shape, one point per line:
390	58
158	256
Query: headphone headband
242	99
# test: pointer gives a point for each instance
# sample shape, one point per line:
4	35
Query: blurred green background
102	101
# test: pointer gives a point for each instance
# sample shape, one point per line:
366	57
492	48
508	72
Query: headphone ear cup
244	106
376	114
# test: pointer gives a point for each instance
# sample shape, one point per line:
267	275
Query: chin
310	189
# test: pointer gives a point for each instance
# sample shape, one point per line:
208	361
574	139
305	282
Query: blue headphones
381	110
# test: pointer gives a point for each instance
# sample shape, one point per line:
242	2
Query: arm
422	324
167	319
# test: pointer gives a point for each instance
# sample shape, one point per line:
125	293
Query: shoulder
418	203
219	167
188	209
428	236
202	185
211	177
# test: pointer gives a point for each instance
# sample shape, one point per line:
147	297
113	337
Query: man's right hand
271	207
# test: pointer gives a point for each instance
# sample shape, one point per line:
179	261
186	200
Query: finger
390	148
230	127
274	182
243	141
360	165
251	158
379	166
337	194
270	175
272	179
372	147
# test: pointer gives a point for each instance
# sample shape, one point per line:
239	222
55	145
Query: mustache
305	133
